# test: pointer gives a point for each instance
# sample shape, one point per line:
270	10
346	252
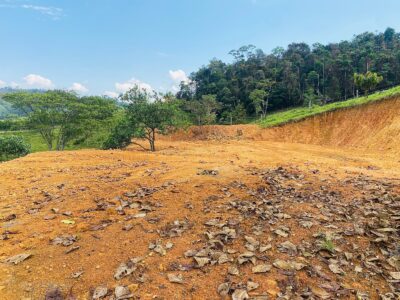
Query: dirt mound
375	126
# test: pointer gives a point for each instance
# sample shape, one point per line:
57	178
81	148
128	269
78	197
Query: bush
120	136
13	147
13	124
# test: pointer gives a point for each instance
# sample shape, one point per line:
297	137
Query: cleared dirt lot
234	216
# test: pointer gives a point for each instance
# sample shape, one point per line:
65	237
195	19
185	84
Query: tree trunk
152	140
47	138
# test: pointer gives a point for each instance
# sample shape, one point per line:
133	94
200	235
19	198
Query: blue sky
105	46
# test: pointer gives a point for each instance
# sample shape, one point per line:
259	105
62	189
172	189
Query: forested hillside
6	109
298	75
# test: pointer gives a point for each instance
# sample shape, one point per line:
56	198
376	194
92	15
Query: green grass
328	245
37	143
31	137
297	114
96	140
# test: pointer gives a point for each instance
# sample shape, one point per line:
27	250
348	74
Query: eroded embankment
375	126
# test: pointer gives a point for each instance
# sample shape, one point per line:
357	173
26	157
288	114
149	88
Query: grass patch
328	245
37	143
31	137
297	114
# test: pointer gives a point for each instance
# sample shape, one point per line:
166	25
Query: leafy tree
367	81
120	136
310	98
257	98
204	110
239	114
60	116
148	114
13	147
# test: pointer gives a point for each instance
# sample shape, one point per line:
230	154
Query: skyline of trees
298	75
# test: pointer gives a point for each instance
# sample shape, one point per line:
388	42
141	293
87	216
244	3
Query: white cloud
2	83
125	86
50	11
111	94
79	88
178	76
38	81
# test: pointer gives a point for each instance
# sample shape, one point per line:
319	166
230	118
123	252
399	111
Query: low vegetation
62	117
13	147
297	114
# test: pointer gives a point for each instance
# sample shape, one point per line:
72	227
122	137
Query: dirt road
207	219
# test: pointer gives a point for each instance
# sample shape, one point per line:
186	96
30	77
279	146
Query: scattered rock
54	294
208	172
18	258
122	292
100	292
127	268
175	278
240	294
261	268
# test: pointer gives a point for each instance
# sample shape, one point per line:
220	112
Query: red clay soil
331	202
375	126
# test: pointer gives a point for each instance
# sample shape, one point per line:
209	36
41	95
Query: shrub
13	147
13	124
120	136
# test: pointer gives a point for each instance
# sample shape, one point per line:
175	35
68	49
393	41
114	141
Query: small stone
251	285
240	294
233	270
100	292
175	278
18	258
261	268
122	292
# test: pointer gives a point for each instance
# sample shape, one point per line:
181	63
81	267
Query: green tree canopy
148	114
367	81
299	71
60	116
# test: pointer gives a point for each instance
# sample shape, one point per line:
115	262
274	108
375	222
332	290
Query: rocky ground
201	220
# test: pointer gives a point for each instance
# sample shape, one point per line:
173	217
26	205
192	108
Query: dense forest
298	75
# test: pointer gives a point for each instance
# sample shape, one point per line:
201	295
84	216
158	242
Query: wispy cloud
52	12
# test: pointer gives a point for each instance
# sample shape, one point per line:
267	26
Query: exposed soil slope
374	126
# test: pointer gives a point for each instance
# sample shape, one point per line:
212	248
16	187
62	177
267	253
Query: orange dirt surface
258	187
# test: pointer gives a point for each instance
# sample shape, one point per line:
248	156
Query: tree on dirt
13	147
60	116
148	114
367	81
120	136
204	111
